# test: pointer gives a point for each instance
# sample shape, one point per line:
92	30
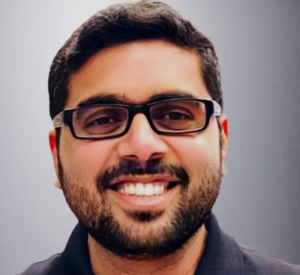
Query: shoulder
257	264
47	267
74	260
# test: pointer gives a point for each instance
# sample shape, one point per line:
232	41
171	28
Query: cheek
88	158
196	152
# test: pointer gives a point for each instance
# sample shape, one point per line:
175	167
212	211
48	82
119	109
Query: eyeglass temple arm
58	120
217	108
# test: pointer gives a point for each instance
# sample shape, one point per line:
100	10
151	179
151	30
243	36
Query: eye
100	120
172	114
104	124
104	117
175	115
178	115
104	120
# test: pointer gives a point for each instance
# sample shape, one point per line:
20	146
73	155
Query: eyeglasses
167	117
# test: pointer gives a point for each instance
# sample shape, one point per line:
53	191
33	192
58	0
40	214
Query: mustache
151	167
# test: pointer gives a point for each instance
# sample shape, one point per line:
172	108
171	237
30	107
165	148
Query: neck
184	261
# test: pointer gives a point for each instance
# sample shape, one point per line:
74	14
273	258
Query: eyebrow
113	99
170	95
103	99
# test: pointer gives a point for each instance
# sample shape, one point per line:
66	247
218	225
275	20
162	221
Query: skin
135	72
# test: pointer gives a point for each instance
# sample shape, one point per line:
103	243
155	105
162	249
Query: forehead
136	72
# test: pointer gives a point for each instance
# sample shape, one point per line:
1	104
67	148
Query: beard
148	237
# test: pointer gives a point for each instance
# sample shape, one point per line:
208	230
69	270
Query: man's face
132	225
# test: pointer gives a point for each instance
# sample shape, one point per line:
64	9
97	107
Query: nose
141	143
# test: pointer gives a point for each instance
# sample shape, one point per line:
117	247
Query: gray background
258	43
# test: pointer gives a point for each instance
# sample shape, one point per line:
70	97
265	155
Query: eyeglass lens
177	116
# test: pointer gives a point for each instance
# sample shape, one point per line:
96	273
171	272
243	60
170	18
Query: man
138	147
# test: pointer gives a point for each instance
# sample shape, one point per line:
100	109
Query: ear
53	148
224	140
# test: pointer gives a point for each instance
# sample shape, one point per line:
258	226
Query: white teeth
131	189
157	190
162	189
126	189
140	189
149	190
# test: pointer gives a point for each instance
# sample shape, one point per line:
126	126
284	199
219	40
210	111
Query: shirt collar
76	255
221	255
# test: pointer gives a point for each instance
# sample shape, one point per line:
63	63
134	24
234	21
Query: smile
144	190
156	188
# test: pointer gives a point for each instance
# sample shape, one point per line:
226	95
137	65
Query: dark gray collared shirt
221	256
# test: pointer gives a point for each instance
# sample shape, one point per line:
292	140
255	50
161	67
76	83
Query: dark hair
120	24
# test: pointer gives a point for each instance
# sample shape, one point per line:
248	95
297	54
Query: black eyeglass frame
65	117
